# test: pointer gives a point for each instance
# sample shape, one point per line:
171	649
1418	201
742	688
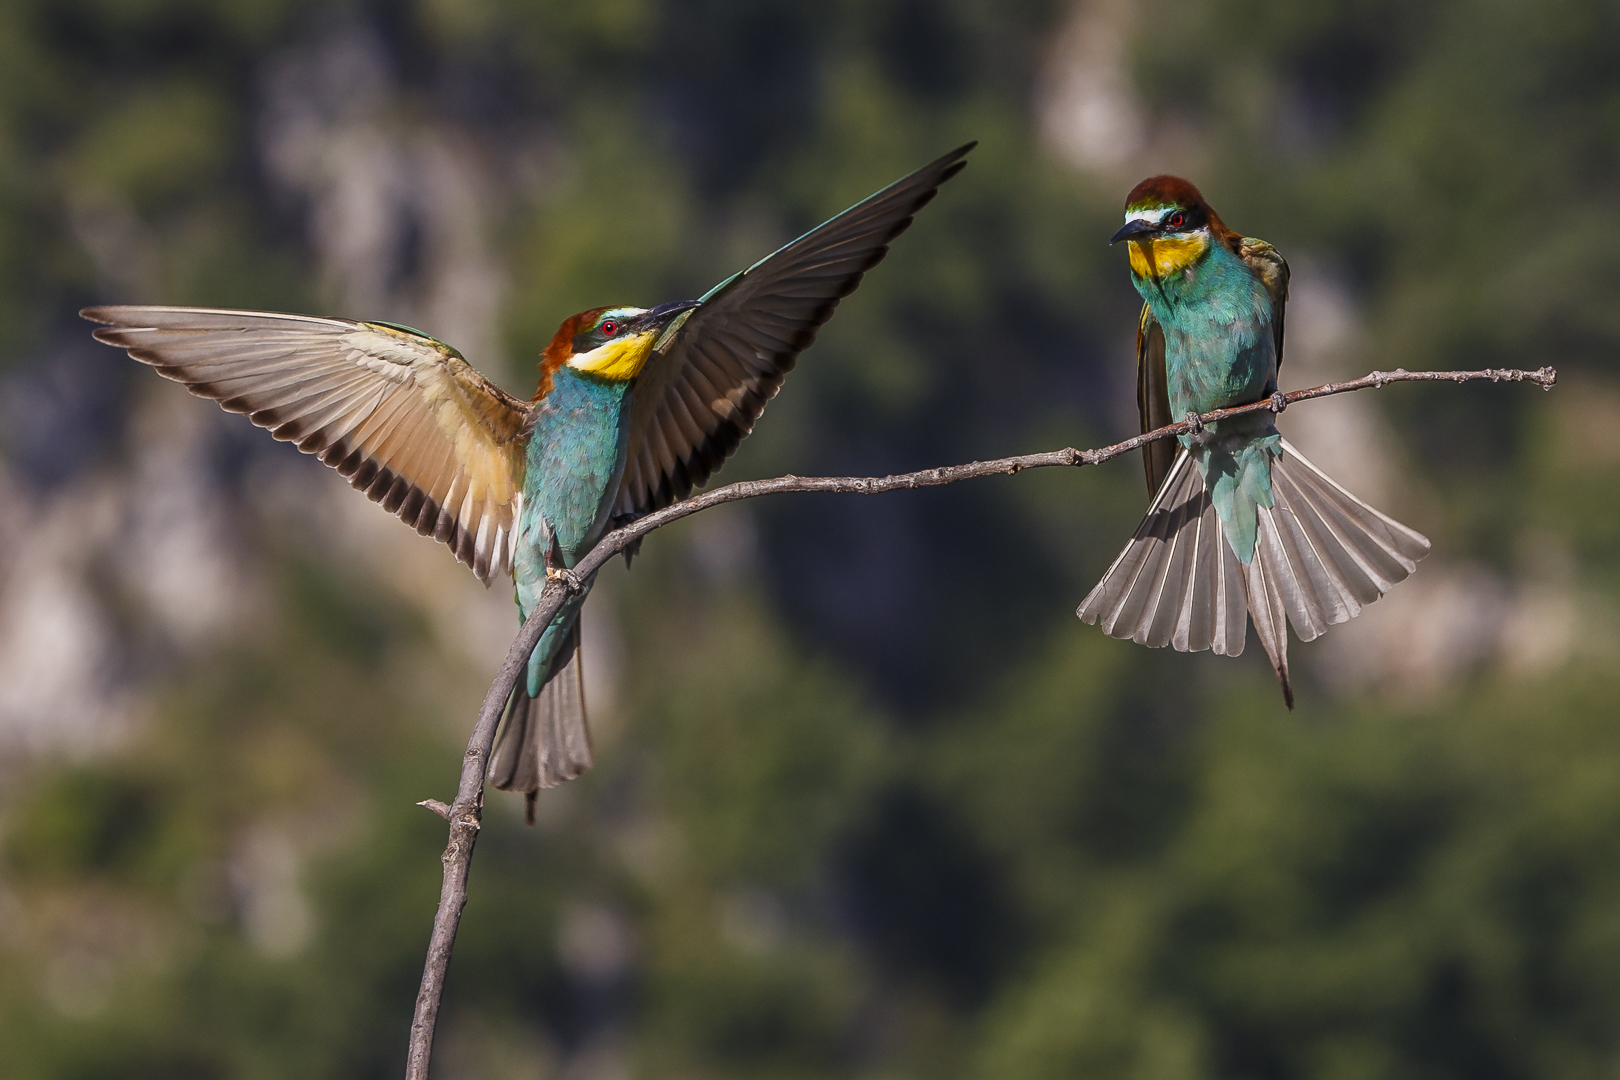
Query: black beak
1134	229
662	315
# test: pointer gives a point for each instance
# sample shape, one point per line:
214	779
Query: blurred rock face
112	568
401	208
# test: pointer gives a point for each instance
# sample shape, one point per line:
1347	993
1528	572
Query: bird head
1169	227
610	343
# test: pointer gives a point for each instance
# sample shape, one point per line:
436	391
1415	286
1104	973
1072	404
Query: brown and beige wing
718	366
1153	399
404	417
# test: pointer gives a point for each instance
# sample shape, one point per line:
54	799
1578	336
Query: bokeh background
870	802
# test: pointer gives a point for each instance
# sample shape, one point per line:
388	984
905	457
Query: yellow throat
1168	255
619	360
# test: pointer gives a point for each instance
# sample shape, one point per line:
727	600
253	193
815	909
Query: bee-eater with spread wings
635	407
1241	522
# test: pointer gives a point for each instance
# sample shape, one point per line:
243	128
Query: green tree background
870	801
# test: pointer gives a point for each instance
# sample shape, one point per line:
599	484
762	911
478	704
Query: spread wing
718	366
1153	398
404	417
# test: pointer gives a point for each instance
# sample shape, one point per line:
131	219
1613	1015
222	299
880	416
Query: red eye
610	328
1177	220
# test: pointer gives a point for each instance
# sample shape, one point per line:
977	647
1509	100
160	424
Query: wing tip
952	163
702	462
955	156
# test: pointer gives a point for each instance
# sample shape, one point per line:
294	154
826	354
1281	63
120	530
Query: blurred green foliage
877	805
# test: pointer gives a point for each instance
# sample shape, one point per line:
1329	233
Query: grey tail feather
1265	598
1321	555
1177	582
547	740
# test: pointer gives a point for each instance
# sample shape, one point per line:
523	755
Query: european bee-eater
635	407
1240	519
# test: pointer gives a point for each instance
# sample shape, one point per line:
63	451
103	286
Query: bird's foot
1279	402
1194	424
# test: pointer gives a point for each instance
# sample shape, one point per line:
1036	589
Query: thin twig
466	812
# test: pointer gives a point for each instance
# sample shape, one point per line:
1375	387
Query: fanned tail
1177	582
547	740
1321	555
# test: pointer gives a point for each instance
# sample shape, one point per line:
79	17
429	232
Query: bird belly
1203	372
1219	348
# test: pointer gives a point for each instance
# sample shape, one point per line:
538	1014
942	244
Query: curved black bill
1134	228
664	314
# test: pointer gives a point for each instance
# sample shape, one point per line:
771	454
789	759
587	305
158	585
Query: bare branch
466	812
465	816
619	539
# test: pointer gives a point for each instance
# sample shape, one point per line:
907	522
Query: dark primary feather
1153	398
701	394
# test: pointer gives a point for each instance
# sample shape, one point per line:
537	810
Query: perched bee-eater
1240	519
635	407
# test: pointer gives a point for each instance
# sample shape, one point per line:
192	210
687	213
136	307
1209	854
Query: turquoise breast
574	463
1218	343
1219	350
576	458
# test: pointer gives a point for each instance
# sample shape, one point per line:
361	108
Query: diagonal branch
466	812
